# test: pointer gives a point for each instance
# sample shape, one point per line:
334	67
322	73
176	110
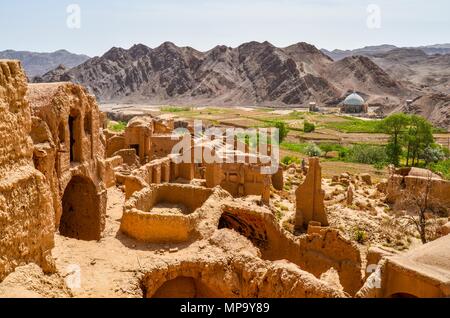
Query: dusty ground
110	267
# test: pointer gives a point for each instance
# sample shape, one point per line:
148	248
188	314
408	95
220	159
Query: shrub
433	154
328	147
379	165
118	127
367	154
442	167
360	236
290	160
309	127
313	150
173	109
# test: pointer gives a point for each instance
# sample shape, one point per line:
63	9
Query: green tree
282	128
396	126
309	127
419	138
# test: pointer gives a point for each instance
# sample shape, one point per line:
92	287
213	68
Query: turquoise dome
354	100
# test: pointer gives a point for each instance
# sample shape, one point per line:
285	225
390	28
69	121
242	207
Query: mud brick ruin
141	223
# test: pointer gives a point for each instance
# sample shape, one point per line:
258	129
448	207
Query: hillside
251	74
36	64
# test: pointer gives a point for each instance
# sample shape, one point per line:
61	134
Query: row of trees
411	137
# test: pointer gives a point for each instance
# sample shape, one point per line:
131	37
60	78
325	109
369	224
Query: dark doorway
135	147
81	214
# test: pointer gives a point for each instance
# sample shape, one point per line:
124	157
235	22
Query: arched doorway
185	287
81	215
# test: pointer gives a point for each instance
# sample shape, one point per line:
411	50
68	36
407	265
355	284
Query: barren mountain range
251	74
262	74
377	49
36	64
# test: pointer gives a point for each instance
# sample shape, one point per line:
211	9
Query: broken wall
26	213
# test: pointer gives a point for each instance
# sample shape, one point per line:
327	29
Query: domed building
354	103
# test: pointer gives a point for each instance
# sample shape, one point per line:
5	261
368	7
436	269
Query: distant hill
373	50
37	64
252	74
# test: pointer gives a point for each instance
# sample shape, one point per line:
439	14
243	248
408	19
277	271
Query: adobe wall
220	270
141	223
401	187
67	144
109	170
162	145
316	252
114	143
239	179
421	272
26	212
137	136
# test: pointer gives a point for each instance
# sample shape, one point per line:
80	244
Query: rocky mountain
36	64
434	107
414	66
251	74
377	49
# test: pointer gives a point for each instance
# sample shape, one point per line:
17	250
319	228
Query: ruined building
26	209
186	229
69	152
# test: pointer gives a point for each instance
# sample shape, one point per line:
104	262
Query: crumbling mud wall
137	136
317	252
26	213
68	150
165	213
239	179
404	191
233	271
420	273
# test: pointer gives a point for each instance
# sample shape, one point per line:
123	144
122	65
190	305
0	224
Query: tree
283	129
419	138
395	125
308	127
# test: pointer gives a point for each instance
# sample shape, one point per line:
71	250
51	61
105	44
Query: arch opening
80	218
185	287
256	235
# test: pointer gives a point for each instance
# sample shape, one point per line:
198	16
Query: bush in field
288	160
367	154
442	167
312	150
309	127
433	154
174	109
329	147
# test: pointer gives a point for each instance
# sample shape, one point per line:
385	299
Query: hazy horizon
202	24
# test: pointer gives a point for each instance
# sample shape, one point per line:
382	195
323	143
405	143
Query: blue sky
41	25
